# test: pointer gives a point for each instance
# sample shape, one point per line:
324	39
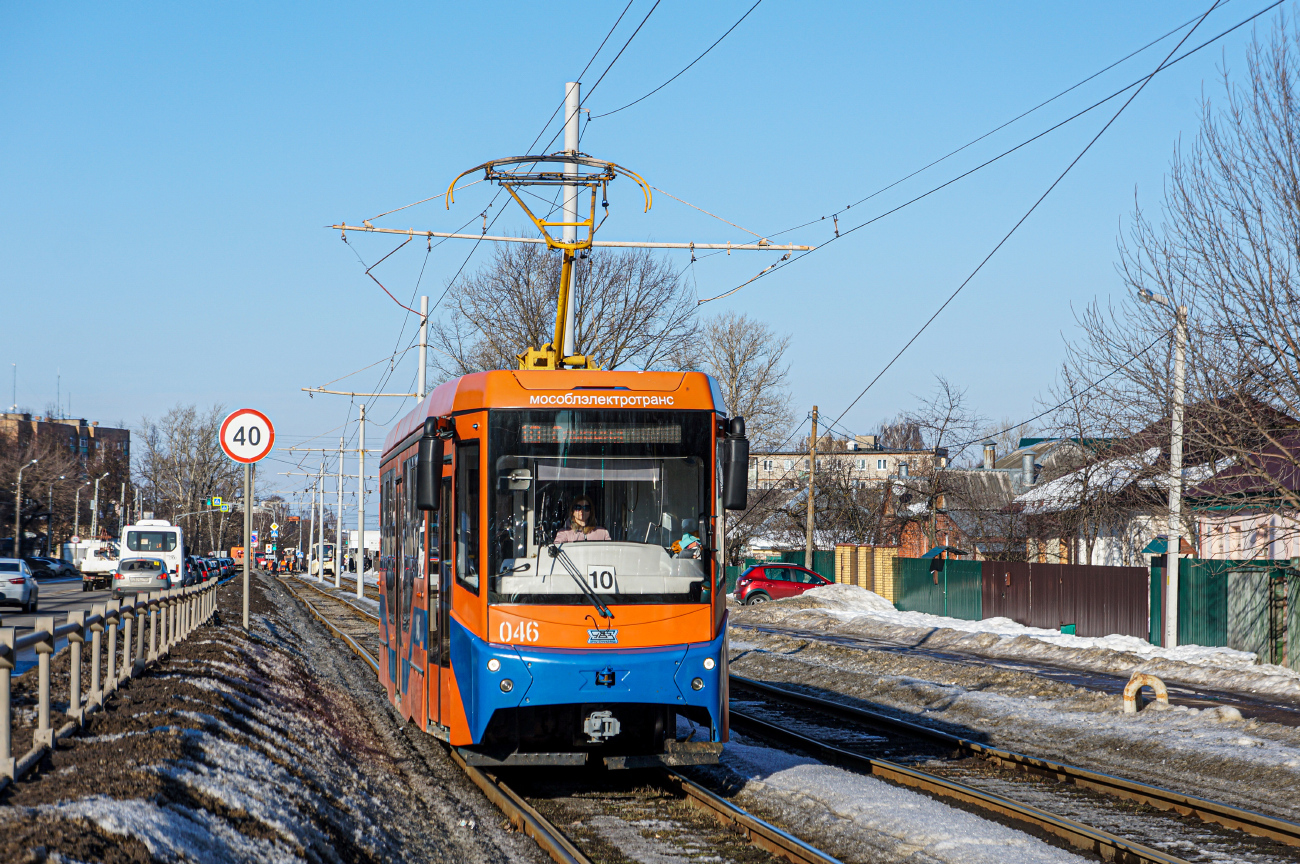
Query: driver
582	523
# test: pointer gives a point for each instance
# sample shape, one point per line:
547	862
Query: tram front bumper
673	675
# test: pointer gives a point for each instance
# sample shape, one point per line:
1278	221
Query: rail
1217	812
172	615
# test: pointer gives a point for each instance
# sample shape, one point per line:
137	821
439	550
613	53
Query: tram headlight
697	683
709	663
494	665
507	685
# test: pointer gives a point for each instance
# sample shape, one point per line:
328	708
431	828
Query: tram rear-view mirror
735	473
428	468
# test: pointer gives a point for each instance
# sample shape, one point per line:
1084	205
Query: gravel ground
1207	753
272	745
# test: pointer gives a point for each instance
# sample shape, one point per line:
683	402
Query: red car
773	581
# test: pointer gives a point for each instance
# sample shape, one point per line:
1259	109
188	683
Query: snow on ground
849	609
1208	752
861	818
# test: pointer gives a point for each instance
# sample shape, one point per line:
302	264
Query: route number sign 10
247	435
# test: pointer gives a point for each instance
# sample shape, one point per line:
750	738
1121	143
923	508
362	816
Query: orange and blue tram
551	575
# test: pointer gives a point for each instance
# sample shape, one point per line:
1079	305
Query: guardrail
171	615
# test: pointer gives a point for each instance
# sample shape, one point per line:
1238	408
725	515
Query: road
58	597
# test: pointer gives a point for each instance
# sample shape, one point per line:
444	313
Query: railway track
659	809
1115	818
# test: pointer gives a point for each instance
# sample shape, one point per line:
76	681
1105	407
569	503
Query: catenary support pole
812	477
311	533
320	549
572	108
424	346
248	532
1175	535
361	506
338	525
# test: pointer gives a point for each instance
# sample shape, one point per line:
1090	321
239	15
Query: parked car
136	575
51	568
764	582
17	585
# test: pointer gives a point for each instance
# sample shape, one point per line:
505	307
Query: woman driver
582	523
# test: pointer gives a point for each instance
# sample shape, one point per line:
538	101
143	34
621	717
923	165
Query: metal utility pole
1176	476
424	346
121	510
812	475
338	523
18	511
94	507
361	506
76	509
49	517
320	550
311	529
248	532
1174	538
572	108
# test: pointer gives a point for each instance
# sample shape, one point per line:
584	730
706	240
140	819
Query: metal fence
171	615
950	588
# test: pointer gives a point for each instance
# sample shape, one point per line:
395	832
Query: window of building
881	464
767	464
862	463
805	464
789	463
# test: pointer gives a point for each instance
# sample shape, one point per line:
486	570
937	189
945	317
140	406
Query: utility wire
1022	219
997	247
1141	82
683	72
1072	398
603	74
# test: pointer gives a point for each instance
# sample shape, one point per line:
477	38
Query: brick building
860	458
86	440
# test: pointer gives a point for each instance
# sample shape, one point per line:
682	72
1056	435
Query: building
859	458
82	439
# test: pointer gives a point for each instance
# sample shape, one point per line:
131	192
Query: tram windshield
624	494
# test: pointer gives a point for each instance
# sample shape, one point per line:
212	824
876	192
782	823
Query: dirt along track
271	745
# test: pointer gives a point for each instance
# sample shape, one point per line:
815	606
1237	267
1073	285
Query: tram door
409	558
393	507
440	602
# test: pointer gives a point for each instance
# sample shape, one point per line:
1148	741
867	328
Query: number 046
519	632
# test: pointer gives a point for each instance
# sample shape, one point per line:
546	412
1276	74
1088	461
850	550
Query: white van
156	538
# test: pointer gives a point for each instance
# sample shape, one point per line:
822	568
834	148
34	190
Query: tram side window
467	515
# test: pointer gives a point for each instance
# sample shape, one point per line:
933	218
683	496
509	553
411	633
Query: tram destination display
601	433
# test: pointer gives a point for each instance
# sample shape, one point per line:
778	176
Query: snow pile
850	609
848	814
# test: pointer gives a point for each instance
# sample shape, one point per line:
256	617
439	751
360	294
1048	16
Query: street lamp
49	515
1175	534
94	507
18	511
76	509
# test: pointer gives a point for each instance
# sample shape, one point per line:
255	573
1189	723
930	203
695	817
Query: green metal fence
1246	605
955	589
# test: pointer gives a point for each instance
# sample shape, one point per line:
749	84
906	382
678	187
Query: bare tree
179	462
747	359
632	310
1226	245
899	433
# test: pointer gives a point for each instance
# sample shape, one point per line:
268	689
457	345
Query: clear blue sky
169	167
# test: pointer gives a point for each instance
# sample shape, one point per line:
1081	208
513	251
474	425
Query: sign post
247	436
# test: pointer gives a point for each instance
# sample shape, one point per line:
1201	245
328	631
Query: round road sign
247	435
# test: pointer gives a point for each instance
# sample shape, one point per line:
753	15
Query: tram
551	565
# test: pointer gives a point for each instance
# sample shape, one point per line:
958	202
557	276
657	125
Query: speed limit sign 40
247	435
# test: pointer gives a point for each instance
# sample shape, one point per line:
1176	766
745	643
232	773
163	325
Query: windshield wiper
567	562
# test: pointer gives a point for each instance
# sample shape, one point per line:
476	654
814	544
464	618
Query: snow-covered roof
1068	490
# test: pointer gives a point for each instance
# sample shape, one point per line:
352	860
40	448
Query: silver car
17	585
138	575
